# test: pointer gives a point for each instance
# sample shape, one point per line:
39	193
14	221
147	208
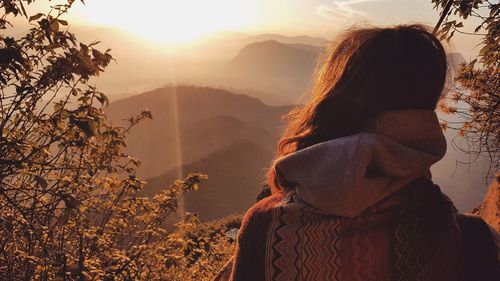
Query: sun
168	21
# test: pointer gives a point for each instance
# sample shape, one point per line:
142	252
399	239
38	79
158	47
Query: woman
352	196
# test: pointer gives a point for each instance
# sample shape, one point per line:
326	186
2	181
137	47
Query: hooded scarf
347	175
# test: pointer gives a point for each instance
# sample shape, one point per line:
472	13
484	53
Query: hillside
235	176
190	123
267	98
490	208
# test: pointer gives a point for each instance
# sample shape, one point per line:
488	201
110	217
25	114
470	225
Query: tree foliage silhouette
477	98
69	202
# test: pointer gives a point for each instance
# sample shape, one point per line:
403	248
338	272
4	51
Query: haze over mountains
229	130
275	68
228	136
141	67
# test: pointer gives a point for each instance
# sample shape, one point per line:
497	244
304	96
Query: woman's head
365	72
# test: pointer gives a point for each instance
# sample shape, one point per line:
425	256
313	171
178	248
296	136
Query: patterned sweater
283	238
361	207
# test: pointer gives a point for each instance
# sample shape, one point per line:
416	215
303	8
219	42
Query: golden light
169	21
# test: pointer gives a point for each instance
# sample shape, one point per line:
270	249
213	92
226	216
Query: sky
317	17
146	35
184	21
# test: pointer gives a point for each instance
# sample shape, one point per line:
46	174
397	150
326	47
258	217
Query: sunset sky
169	21
156	42
187	19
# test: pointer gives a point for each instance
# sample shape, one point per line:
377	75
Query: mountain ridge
190	123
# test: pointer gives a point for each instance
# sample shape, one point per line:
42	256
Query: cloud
341	10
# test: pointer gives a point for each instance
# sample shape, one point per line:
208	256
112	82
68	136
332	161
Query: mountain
235	176
190	123
274	67
276	59
265	97
306	40
226	45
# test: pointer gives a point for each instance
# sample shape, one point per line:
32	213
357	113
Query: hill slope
190	123
490	208
235	175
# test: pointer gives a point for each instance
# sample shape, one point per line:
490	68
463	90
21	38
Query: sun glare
169	21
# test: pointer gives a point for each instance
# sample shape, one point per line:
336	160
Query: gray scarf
347	175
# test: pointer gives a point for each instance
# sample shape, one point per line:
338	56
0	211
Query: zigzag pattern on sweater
409	236
298	250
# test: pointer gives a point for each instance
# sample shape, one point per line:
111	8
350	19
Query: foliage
202	249
478	97
69	204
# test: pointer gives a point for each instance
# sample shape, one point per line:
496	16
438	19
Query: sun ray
175	130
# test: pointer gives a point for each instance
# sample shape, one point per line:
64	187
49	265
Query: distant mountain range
305	40
142	66
230	137
190	123
276	67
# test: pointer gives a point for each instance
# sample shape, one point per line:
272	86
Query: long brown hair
365	72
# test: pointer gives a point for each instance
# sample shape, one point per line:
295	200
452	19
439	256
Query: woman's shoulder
252	238
260	214
268	203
